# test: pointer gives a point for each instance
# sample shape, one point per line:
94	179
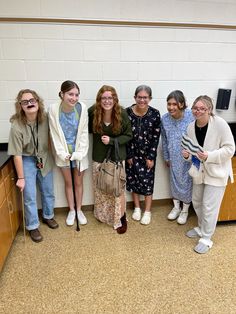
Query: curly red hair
99	112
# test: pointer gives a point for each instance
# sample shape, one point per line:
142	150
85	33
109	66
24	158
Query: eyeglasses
106	98
201	109
142	98
25	102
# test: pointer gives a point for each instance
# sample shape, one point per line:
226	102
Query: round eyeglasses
31	101
106	98
200	109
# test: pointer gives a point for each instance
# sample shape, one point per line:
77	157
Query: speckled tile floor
150	269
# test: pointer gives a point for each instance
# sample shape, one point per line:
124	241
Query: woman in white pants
210	147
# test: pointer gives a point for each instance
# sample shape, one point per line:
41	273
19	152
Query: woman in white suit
68	121
210	146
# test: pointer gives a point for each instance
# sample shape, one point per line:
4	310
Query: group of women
199	165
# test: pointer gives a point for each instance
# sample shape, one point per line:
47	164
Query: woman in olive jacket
107	121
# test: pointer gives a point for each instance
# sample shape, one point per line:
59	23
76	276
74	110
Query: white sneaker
70	218
146	219
82	219
182	219
136	214
174	213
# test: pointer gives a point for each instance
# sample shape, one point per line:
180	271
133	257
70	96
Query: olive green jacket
125	135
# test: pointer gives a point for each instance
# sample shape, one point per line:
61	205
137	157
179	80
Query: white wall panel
44	70
102	51
74	50
54	50
20	8
120	71
154	71
82	32
120	33
153	51
12	70
80	71
3	91
157	34
45	31
10	30
20	49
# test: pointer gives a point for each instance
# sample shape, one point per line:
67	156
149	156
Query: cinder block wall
41	56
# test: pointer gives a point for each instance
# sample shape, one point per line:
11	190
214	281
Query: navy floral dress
146	134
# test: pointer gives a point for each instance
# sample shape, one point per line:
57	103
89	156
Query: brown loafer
35	235
123	228
51	223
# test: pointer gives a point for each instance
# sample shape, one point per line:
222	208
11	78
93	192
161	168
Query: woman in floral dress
142	151
174	125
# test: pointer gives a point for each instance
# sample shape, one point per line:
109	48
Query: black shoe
35	235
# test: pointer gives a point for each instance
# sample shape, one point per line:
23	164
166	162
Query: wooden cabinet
10	209
228	205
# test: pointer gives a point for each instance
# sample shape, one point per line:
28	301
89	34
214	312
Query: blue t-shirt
69	122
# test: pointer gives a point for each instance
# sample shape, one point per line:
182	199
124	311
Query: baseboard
129	205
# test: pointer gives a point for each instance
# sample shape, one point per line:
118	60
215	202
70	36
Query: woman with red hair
109	121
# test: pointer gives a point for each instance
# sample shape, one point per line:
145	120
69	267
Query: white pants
206	202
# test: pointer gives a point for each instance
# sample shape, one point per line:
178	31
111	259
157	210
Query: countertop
3	154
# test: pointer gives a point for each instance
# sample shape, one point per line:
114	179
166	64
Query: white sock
176	203
185	207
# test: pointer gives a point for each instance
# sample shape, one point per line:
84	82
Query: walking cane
23	213
75	204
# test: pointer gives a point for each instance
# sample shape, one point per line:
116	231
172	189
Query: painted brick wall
41	56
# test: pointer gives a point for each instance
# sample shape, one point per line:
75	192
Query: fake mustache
30	106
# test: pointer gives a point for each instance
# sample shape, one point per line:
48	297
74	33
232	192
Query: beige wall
41	56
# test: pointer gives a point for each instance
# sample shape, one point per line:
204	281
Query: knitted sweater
99	149
220	146
59	141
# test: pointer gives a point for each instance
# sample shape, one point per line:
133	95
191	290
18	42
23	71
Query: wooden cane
23	214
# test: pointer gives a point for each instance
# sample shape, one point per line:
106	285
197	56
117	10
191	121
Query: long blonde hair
20	114
99	112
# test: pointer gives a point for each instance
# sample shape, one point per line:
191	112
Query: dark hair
207	101
20	114
179	98
146	88
67	86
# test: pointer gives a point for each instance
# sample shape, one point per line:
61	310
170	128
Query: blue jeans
33	177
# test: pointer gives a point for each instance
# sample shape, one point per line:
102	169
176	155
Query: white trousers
206	202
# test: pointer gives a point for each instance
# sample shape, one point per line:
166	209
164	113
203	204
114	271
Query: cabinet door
5	232
228	205
13	199
14	205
